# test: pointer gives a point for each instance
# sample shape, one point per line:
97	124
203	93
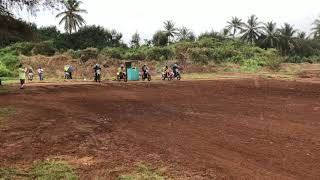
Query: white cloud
147	16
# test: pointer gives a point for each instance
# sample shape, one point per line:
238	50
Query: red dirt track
222	129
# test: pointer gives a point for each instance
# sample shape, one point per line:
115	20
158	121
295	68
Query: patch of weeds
143	172
11	173
51	170
199	75
6	111
4	90
86	128
228	69
47	170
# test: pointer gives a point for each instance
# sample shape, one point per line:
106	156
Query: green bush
116	53
89	53
299	59
44	48
9	58
160	53
74	54
201	55
252	65
4	72
23	48
136	54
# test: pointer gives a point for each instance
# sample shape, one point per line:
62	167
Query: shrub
23	48
201	55
252	65
4	72
9	58
74	54
116	53
136	54
89	53
160	53
44	48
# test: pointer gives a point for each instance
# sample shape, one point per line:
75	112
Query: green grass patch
199	75
9	80
6	111
47	170
4	90
143	172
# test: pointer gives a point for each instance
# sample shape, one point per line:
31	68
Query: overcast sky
147	16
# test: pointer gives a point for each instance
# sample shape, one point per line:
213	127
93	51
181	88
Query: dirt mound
53	66
253	129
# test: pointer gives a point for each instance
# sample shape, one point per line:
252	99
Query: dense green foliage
13	30
8	61
251	44
89	36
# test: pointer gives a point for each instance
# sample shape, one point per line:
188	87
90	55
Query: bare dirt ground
222	129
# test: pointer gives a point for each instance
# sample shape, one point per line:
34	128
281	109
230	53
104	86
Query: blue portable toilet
132	72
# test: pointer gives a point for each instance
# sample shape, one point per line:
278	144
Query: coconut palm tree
170	30
185	34
316	28
71	16
271	36
234	25
251	30
286	34
302	35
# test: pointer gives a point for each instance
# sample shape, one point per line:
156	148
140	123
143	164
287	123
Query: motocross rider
165	70
145	68
175	67
121	69
97	70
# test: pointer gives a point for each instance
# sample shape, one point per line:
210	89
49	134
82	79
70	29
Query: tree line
285	38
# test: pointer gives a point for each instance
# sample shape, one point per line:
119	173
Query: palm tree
271	37
70	17
316	28
170	29
286	34
302	35
185	34
251	30
234	25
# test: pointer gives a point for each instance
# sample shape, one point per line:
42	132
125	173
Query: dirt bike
166	75
173	76
67	75
146	75
97	76
122	75
30	76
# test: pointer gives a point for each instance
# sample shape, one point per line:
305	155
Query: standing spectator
22	76
40	73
